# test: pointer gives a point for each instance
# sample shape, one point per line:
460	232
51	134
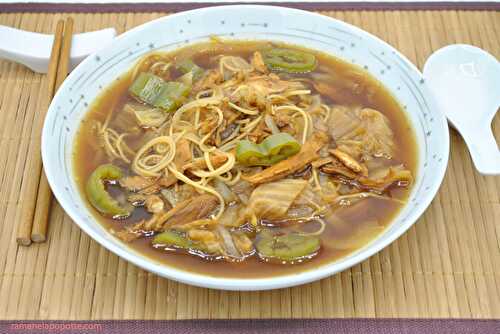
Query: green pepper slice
288	247
153	90
171	238
273	149
99	197
288	60
250	154
187	65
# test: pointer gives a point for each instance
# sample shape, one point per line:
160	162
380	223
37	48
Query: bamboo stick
44	197
29	198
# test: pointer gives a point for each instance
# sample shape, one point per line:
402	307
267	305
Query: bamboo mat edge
39	7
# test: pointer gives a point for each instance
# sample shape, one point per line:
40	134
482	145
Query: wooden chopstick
44	197
29	195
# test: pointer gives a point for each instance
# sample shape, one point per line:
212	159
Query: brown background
447	265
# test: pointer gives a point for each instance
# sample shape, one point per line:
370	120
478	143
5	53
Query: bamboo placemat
447	265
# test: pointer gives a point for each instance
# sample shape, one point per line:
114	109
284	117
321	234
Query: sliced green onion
152	90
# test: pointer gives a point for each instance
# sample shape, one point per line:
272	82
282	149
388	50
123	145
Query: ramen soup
245	159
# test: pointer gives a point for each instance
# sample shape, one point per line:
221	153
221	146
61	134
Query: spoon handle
483	150
33	49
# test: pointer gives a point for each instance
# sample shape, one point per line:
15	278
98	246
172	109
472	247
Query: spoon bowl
466	83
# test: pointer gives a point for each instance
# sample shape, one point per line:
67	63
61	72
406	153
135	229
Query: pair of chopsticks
37	197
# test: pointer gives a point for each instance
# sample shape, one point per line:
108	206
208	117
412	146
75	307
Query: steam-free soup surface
245	159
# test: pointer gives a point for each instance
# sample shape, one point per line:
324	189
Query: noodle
138	66
327	112
226	167
246	130
297	92
318	232
306	118
113	142
140	166
243	110
234	152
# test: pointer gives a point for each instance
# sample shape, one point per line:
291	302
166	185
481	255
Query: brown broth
87	157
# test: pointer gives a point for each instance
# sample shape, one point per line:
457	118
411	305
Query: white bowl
311	30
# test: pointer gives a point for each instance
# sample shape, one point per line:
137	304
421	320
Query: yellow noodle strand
153	170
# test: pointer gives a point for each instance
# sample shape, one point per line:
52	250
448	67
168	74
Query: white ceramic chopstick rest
33	49
466	83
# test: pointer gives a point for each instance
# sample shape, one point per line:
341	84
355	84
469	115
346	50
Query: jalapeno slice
170	238
291	61
99	197
179	240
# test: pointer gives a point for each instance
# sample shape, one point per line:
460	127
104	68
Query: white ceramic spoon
466	83
33	49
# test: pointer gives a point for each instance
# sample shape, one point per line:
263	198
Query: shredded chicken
258	63
321	162
337	168
125	121
260	132
136	199
153	189
235	64
265	85
208	124
154	204
137	183
349	161
167	181
209	80
187	211
229	115
307	154
354	149
393	176
217	160
282	120
178	193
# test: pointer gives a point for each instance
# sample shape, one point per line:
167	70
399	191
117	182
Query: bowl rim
258	283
